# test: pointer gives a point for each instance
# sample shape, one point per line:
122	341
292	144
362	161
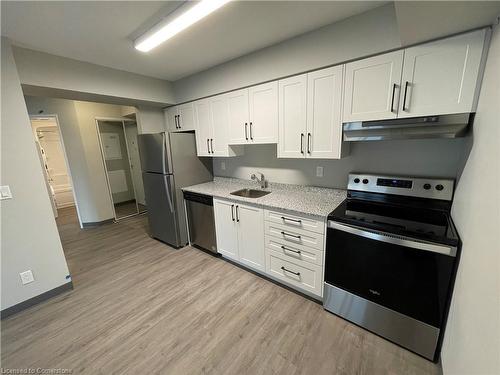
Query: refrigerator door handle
163	142
167	191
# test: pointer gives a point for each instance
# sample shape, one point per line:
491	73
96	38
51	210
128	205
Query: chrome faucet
262	180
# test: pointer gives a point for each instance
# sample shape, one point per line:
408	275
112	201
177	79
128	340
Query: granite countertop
299	199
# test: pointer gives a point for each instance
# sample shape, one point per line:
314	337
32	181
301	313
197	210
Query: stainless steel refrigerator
169	163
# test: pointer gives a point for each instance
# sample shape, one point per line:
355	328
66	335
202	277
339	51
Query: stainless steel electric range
391	258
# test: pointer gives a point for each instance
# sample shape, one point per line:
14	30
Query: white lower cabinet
240	233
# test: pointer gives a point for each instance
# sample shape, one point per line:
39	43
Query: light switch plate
223	165
27	277
5	192
319	171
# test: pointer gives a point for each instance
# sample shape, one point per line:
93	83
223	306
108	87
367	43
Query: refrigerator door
154	150
159	190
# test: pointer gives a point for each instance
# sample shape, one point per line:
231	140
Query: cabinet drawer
293	221
303	275
294	252
295	236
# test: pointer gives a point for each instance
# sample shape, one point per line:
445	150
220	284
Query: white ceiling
101	32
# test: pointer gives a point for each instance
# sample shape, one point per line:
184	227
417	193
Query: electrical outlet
223	165
319	171
27	277
5	192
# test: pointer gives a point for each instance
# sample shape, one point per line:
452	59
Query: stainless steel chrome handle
394	239
294	220
309	143
290	235
393	94
286	270
212	145
232	212
163	149
405	108
287	249
237	214
251	136
246	131
301	143
170	204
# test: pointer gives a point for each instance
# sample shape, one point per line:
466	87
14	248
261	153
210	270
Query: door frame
106	172
66	162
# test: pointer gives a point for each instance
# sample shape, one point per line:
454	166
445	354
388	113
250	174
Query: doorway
50	147
120	154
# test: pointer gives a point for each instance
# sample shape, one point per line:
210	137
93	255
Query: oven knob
439	187
356	180
365	181
427	186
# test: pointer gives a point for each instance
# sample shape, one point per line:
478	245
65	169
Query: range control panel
430	188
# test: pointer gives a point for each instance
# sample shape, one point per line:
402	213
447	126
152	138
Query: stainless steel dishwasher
201	223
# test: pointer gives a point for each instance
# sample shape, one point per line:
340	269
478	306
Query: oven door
410	277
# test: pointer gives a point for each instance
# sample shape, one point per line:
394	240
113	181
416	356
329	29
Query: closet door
203	120
263	104
237	102
372	88
441	77
324	108
292	117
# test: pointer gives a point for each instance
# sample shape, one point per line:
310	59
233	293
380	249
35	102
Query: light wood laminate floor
141	307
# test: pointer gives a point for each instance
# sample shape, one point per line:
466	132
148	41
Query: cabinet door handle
175	122
208	145
293	251
232	212
302	143
237	214
251	136
393	94
309	143
246	131
294	220
288	234
212	145
405	108
179	120
295	273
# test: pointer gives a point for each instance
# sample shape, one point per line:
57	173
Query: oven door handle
394	239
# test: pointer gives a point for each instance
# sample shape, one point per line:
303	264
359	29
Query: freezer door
161	207
154	150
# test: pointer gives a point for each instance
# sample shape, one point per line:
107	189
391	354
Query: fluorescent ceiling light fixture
187	15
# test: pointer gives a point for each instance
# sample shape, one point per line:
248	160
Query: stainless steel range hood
442	126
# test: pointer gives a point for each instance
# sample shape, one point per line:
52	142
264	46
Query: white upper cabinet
324	109
185	117
263	108
441	77
220	123
237	102
372	87
171	118
310	109
203	118
292	116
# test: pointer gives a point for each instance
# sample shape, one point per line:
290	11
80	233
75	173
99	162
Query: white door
226	228
292	117
251	236
372	87
324	109
185	120
203	127
237	102
263	105
135	162
171	118
220	125
441	77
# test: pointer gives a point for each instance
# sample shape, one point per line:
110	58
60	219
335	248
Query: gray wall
472	344
368	33
437	157
29	238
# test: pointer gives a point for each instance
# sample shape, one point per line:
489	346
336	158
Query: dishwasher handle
199	198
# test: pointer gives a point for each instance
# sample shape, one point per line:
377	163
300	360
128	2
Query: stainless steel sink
250	193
